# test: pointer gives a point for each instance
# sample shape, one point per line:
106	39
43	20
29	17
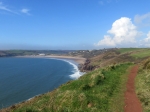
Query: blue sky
74	24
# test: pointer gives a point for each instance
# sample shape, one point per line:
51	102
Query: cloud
123	32
25	11
148	37
142	20
108	41
3	7
146	42
7	9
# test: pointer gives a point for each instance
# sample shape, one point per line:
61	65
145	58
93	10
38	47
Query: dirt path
132	104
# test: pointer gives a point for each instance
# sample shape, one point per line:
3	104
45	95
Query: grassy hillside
136	52
127	50
143	85
4	53
107	58
101	90
141	53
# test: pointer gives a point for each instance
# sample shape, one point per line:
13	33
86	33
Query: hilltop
102	88
6	53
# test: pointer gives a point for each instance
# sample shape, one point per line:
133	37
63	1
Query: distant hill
32	52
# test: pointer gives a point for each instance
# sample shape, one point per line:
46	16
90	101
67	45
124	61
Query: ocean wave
76	72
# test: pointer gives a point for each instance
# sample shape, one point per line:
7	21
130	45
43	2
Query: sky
74	24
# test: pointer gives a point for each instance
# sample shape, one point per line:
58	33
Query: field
136	52
125	50
142	53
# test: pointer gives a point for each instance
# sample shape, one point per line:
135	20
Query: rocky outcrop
86	66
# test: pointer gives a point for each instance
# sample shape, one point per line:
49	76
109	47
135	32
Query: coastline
79	60
69	59
74	61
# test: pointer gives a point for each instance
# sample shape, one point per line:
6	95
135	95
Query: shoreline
76	62
79	60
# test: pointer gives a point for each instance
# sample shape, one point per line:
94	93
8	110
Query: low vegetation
101	90
141	53
143	85
136	52
127	50
5	53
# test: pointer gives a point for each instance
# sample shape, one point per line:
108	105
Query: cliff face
102	60
106	59
86	66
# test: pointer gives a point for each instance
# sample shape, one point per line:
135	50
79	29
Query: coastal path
132	103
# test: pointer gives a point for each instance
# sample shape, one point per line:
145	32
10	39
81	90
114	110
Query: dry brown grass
143	85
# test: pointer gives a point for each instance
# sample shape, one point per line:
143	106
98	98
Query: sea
23	78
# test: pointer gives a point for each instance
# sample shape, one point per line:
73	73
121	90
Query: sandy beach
79	60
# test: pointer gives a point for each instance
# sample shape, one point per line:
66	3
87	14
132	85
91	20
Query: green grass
101	90
136	52
125	50
143	85
142	53
143	89
20	52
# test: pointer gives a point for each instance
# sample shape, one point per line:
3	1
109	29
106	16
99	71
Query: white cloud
7	9
108	41
148	38
142	20
123	32
3	7
25	11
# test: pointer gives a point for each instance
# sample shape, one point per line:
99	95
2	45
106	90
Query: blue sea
24	78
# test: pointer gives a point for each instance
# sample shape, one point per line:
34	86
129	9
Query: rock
86	66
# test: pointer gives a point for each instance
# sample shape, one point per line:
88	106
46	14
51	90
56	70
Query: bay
24	78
